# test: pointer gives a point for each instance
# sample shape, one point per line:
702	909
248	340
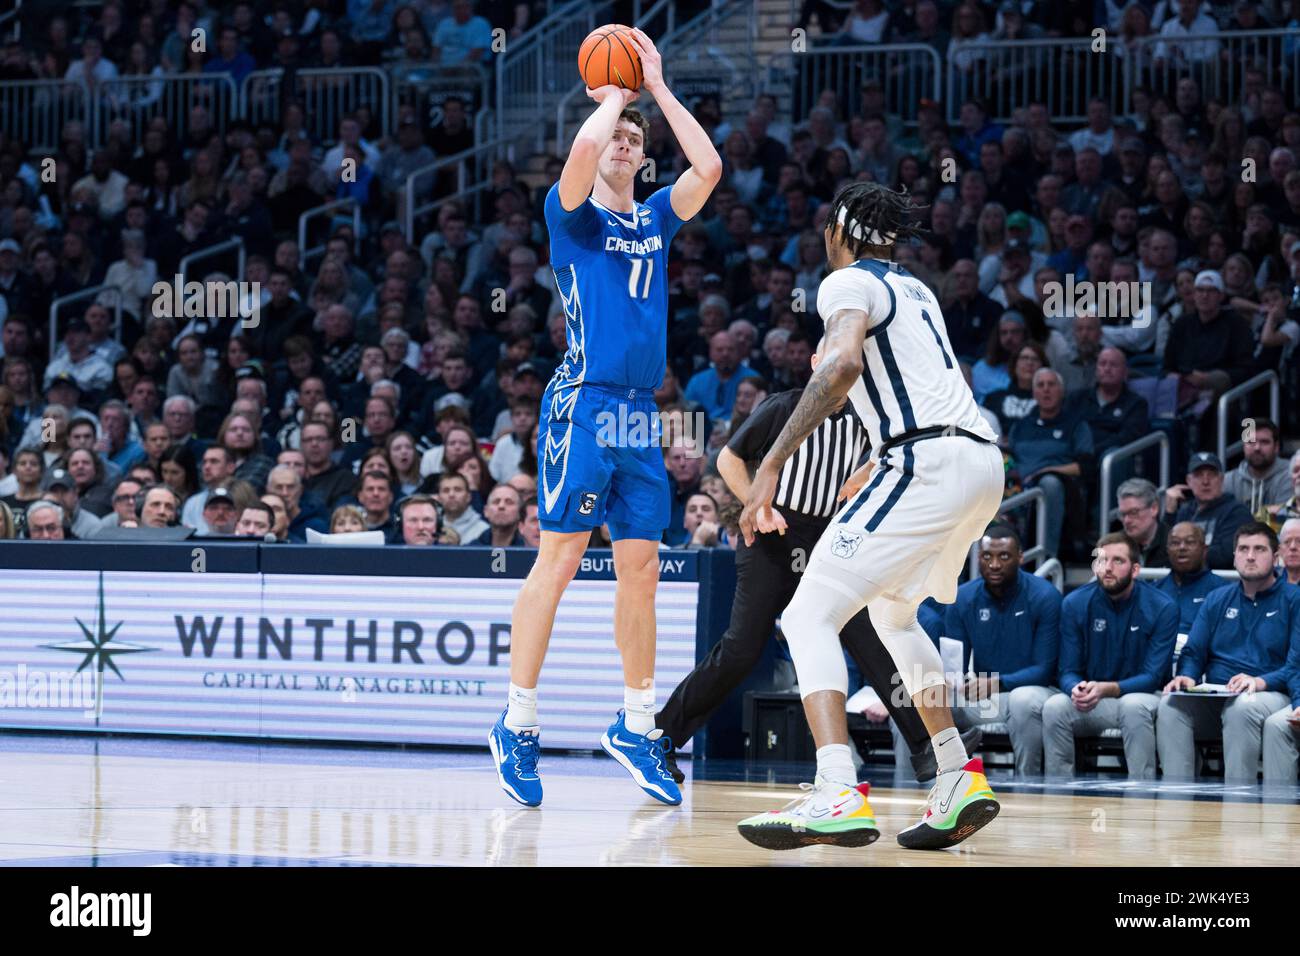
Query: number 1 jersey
611	269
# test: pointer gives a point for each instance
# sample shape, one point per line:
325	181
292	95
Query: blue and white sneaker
516	761
644	759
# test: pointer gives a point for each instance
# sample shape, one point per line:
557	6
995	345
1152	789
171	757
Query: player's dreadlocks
873	216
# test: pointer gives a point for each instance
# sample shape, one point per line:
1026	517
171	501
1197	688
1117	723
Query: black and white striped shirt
814	474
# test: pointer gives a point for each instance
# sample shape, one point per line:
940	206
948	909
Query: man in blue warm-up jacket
1189	581
1246	638
1008	622
1117	643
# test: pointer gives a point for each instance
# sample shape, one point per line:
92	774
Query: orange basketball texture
609	58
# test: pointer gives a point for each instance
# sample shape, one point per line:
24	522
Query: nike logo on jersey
1270	613
630	225
1018	613
1134	627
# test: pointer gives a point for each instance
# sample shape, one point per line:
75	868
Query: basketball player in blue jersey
610	257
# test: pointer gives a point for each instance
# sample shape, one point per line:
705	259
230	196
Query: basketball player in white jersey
936	481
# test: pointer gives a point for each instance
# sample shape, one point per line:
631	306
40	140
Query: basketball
608	57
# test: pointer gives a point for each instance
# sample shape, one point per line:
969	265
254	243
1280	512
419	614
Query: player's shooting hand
602	93
651	63
855	482
759	517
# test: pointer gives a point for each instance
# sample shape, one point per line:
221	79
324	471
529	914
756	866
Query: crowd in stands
393	386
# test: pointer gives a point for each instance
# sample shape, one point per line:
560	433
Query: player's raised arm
692	189
580	168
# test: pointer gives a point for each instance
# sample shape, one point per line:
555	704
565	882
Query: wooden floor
166	803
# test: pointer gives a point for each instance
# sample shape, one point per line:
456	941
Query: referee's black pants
765	582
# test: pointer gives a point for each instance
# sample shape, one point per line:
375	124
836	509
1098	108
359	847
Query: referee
767	573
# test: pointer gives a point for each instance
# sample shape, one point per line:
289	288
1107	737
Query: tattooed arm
839	367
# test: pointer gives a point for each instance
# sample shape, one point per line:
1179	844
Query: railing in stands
92	293
326	95
1054	571
212	251
1267	380
473	176
1036	498
1218	62
1106	508
327	209
909	73
34	112
14	15
178	98
1062	73
529	73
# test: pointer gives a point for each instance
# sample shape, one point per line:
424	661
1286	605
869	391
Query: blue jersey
612	272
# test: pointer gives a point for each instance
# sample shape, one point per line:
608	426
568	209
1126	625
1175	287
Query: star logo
99	647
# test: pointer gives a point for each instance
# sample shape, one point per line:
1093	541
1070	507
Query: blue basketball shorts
599	461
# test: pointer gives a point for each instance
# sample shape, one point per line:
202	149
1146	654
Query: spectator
280	524
60	487
457	512
126	493
992	372
239	434
715	387
25	481
89	371
509	448
115	443
194	374
1079	366
1117	644
1189	580
1115	414
1016	401
530	529
220	514
502	514
1240	640
1289	540
1052	451
87	470
380	421
256	522
303	511
1201	500
374	491
325	480
685	464
1139	513
1209	349
420	521
179	471
347	519
700	522
1008	622
1262	478
463	39
46	522
970	315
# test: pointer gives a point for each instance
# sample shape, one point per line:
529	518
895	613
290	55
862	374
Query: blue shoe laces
526	753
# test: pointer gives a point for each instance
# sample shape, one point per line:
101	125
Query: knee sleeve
812	622
917	661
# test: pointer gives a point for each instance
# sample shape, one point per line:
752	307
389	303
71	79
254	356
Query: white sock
835	764
949	750
639	709
521	708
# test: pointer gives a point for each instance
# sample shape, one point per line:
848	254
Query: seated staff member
1117	644
1009	624
768	572
1189	580
1246	637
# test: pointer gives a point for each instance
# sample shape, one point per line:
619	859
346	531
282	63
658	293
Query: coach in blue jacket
1117	644
1008	622
1189	582
1247	637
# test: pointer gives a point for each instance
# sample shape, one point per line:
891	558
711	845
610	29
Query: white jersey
911	378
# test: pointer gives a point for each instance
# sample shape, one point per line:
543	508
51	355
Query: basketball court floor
84	801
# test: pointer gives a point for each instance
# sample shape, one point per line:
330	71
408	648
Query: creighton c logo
1232	612
1099	624
984	614
846	543
588	503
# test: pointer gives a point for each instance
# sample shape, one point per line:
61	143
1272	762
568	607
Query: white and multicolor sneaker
828	813
960	803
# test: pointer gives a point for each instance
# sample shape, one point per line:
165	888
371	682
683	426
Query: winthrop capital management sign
397	659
